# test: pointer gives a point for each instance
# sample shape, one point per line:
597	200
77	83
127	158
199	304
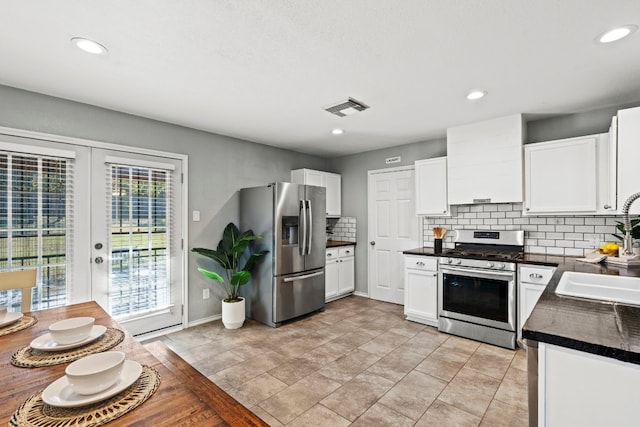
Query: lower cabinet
531	283
583	389
339	272
421	289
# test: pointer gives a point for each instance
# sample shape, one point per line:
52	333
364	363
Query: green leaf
211	275
240	278
248	266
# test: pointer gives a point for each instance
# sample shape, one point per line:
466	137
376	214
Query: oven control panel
477	263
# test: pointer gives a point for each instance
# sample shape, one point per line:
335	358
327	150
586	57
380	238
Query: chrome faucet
627	244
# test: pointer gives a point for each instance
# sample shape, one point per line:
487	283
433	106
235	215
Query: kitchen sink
622	289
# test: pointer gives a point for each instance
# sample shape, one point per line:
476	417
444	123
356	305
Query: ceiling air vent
346	108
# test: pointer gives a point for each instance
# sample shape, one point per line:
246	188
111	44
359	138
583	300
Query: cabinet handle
535	276
329	255
435	275
528	209
607	207
347	252
420	263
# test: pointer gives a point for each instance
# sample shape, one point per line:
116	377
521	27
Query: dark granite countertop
337	243
598	327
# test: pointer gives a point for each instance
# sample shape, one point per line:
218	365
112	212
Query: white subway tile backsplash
594	221
574	221
556	235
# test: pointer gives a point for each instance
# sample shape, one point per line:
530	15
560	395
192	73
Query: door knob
99	260
372	243
98	246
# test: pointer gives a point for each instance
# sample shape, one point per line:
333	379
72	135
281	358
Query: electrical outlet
205	294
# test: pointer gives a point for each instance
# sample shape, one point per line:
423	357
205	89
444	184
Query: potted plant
635	230
230	251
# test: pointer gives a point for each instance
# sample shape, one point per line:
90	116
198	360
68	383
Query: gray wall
354	168
218	166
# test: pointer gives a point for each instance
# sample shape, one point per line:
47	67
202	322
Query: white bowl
95	373
71	330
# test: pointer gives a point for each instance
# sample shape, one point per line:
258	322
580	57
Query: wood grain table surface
185	396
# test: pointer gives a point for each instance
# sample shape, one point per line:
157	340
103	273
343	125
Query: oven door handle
482	272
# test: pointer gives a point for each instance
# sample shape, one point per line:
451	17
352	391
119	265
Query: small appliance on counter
292	219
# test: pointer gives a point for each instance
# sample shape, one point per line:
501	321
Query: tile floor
359	363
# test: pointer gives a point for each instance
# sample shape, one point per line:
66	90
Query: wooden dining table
184	397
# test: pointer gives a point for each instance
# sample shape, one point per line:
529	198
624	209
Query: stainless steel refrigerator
289	282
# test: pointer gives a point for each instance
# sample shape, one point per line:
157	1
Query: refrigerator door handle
310	226
306	276
302	246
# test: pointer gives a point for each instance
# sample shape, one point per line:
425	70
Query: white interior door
136	239
393	228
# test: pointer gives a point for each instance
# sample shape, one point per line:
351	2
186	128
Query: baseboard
204	320
361	294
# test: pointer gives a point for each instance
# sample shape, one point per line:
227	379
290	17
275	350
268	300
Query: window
36	224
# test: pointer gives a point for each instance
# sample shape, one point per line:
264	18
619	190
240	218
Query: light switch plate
196	216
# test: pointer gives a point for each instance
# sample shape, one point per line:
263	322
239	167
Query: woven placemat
28	357
23	323
35	413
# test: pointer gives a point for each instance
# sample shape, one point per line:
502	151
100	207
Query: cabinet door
561	176
334	194
628	155
332	278
431	187
528	297
346	273
312	177
421	295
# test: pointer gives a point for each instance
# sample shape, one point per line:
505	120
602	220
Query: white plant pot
233	314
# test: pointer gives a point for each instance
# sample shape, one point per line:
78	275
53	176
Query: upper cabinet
627	135
484	161
331	181
570	175
431	187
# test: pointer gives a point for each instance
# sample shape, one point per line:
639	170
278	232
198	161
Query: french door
98	224
136	253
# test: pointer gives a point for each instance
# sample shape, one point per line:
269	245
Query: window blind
36	224
139	207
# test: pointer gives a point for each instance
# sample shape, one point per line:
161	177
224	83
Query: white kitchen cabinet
421	289
569	176
531	283
484	161
583	389
628	146
431	187
339	272
331	181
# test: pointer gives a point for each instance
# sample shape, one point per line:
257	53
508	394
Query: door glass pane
484	298
35	226
139	236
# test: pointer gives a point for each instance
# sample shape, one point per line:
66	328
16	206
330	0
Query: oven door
478	296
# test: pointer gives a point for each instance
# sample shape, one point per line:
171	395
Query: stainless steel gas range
477	286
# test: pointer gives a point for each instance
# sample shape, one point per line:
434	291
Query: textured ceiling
264	70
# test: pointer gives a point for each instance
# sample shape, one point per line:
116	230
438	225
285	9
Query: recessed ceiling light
476	94
89	46
337	131
617	33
